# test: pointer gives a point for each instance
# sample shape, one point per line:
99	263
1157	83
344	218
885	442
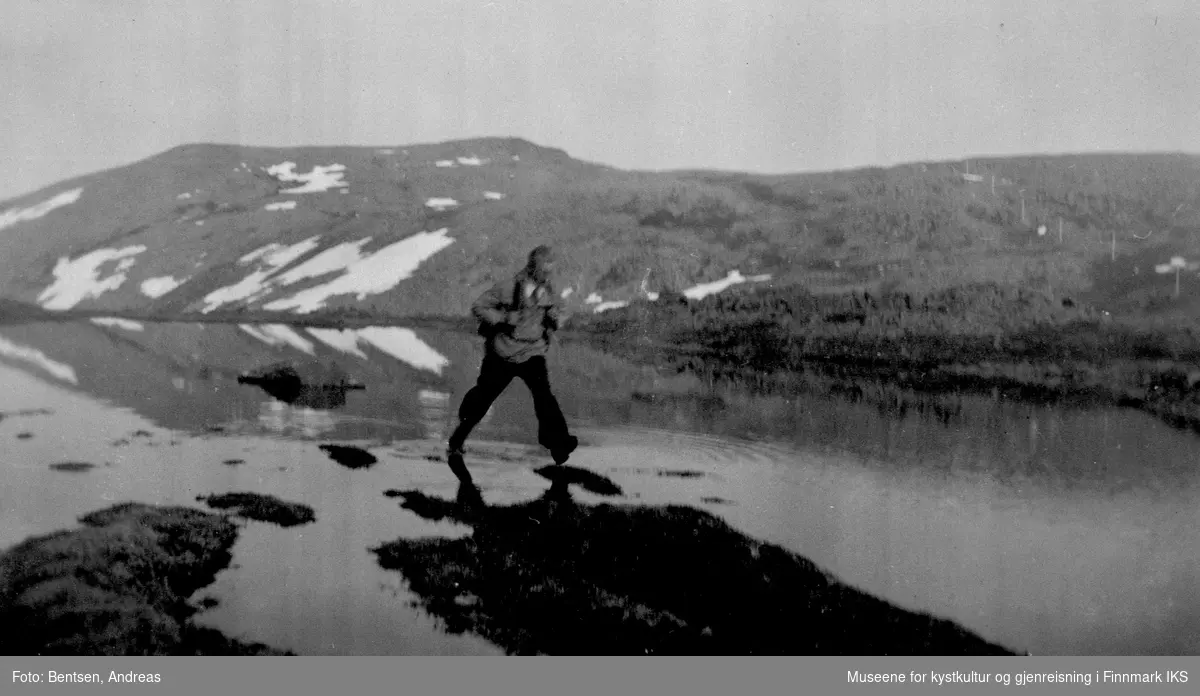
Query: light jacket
517	317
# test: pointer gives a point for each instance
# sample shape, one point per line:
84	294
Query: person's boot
563	452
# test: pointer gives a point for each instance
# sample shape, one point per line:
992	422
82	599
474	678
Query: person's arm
549	306
553	318
491	308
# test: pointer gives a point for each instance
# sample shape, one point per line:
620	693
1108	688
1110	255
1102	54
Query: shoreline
988	339
1169	390
976	338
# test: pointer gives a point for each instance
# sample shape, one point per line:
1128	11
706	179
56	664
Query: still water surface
1046	529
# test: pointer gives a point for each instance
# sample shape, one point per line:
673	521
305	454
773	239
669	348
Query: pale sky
760	86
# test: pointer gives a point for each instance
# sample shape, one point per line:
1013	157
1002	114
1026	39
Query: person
517	318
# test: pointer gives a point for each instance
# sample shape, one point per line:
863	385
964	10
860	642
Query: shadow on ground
562	475
552	576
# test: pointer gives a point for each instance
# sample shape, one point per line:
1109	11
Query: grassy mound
117	586
551	576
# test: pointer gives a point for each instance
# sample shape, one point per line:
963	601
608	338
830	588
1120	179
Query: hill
209	229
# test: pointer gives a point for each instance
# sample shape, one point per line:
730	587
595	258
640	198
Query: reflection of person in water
517	318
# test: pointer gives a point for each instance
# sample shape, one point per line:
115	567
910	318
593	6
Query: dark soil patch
716	500
349	456
262	508
234	462
24	436
680	474
73	467
552	576
117	586
589	481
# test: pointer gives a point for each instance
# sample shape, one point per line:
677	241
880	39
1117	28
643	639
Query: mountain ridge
170	232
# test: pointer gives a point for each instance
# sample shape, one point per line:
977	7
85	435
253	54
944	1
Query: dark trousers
494	376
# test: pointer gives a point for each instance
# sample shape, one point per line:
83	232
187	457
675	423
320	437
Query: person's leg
553	433
494	376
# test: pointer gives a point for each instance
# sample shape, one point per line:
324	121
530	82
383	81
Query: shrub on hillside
679	203
984	309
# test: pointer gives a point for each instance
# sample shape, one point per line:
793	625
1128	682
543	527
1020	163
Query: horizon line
698	169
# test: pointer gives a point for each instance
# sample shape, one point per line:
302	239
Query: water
1052	530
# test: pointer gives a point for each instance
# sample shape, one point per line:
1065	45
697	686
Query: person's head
541	263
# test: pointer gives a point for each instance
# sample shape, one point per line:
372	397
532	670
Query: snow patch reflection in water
36	357
278	334
397	342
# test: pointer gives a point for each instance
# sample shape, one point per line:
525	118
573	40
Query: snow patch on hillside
702	290
472	161
605	306
321	178
441	203
274	256
34	356
335	258
444	163
284	205
277	255
78	280
369	275
10	217
159	286
493	195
